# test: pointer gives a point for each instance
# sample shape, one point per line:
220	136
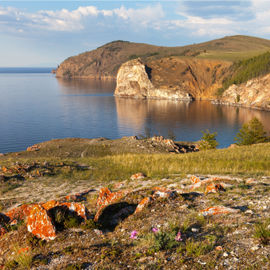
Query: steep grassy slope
105	61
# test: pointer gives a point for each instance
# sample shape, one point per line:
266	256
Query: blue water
25	70
36	107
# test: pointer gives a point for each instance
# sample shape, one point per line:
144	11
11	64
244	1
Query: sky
44	33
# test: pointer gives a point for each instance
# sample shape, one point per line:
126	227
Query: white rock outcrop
254	93
133	80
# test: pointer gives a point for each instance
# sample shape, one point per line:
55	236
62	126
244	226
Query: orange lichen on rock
104	192
50	204
20	212
216	210
137	176
143	203
34	147
40	224
38	218
163	192
214	188
198	183
80	209
194	179
106	197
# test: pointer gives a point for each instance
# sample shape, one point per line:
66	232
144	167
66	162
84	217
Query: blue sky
44	33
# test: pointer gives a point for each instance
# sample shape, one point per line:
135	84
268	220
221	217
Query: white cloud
76	20
92	20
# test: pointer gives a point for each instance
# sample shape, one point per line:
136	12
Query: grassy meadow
244	161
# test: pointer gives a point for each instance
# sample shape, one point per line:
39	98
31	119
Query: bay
36	107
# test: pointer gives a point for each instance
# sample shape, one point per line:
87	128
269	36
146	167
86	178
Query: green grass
262	232
251	160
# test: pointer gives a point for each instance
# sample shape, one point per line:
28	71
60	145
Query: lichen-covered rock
20	212
214	188
137	176
217	210
33	148
38	216
143	203
133	80
162	192
170	145
40	224
78	208
106	197
194	179
198	183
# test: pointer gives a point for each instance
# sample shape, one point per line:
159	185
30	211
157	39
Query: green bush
208	140
262	232
164	241
251	133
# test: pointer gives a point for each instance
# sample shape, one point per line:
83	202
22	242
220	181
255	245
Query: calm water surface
36	107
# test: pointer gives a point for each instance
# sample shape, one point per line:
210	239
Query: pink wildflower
133	235
154	230
178	237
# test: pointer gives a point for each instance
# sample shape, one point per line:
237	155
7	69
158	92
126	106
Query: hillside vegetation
244	70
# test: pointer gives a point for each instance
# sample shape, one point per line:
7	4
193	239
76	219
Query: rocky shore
253	94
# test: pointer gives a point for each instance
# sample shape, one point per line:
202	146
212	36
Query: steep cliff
254	93
171	78
133	80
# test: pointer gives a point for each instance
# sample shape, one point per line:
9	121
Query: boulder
214	188
40	224
137	176
217	210
106	197
38	216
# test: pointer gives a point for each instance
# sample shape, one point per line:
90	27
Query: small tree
251	133
208	140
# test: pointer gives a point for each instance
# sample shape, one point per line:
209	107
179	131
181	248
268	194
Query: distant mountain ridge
105	61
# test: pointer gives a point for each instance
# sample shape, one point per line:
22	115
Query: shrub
164	241
262	232
251	133
208	140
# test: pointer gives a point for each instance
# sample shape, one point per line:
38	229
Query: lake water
36	107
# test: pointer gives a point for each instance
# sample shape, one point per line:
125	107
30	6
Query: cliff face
255	94
170	78
133	80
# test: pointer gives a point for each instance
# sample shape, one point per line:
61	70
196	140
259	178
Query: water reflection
85	86
186	120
